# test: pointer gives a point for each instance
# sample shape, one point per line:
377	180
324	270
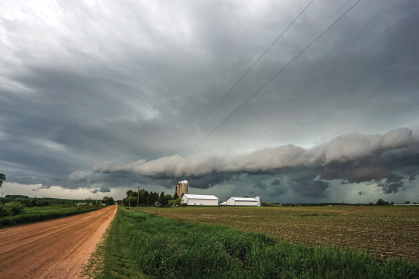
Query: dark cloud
354	158
304	176
103	189
312	189
260	185
276	181
389	188
278	191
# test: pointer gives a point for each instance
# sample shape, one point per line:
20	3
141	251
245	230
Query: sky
99	97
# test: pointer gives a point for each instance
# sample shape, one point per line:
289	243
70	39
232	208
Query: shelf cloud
386	159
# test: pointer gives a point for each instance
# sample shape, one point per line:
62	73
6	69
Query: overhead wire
327	29
231	89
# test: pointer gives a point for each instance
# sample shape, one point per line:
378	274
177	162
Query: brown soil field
52	249
384	231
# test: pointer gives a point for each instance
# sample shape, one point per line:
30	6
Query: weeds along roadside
165	248
112	256
32	217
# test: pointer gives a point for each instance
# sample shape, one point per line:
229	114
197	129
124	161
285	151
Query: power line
272	78
228	92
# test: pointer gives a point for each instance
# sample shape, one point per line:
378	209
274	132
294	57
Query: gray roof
200	197
243	199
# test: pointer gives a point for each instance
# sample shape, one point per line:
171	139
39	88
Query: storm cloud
352	158
346	157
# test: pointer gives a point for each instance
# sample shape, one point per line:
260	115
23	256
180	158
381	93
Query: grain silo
259	199
182	188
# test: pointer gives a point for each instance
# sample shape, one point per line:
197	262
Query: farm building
204	200
239	201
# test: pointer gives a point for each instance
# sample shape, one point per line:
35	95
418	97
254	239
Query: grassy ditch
167	248
37	214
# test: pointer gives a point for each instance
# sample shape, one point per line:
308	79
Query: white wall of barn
246	203
230	201
199	202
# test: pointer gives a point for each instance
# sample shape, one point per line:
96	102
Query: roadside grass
167	248
37	214
383	231
112	258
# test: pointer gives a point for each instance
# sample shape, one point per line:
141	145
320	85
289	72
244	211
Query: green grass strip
167	248
32	216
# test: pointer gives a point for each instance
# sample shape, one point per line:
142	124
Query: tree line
145	198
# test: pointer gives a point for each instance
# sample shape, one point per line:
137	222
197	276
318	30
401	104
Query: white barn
238	201
200	200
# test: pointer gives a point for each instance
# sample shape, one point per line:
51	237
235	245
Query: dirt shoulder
52	249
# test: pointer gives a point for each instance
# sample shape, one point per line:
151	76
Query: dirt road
52	249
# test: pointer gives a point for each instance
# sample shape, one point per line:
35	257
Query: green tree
175	196
16	207
142	191
168	197
144	198
177	202
105	199
2	178
129	193
163	201
125	202
381	202
110	201
149	200
4	210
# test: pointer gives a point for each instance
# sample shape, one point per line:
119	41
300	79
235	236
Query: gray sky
97	95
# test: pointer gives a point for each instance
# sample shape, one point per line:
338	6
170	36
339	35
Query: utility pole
138	197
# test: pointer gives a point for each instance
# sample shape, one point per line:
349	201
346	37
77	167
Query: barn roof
243	199
201	197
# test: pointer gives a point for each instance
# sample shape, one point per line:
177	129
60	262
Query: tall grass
33	214
166	248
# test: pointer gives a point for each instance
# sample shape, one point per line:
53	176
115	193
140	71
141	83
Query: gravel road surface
52	249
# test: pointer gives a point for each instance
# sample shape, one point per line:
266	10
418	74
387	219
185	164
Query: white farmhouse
200	200
238	201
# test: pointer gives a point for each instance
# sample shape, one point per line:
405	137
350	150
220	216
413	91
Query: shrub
4	210
16	208
42	203
175	202
381	202
36	217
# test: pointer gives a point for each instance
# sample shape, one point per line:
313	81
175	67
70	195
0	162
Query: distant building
239	201
200	200
182	187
